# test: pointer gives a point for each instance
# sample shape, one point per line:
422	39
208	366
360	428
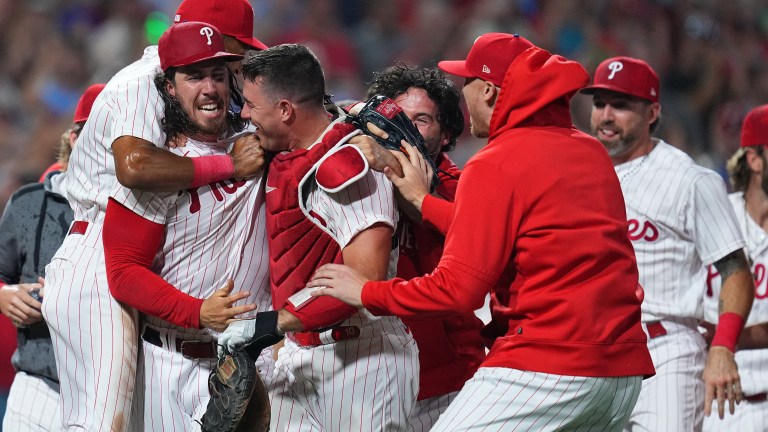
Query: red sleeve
130	245
437	213
321	312
477	250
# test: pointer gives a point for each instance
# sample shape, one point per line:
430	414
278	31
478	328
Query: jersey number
228	187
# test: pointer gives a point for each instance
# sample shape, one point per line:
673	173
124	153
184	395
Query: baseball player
679	221
193	241
450	349
340	368
32	228
539	222
748	171
95	338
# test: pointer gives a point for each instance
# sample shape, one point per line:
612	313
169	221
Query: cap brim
253	43
456	67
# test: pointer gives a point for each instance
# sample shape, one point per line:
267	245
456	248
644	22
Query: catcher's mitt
389	117
239	399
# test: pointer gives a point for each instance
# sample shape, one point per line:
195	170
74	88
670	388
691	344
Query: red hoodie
539	221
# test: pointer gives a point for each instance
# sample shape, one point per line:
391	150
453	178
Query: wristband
209	169
728	330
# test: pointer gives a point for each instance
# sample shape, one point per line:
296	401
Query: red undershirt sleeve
130	245
437	213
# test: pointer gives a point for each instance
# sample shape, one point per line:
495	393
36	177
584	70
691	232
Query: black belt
760	397
189	349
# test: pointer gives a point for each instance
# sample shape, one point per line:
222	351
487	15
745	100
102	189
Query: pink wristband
728	330
209	169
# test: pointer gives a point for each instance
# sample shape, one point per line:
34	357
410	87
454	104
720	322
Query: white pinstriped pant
673	399
95	338
32	406
748	417
426	411
502	399
365	384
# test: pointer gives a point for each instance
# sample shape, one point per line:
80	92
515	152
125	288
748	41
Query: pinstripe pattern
426	412
213	233
501	399
752	363
679	222
94	338
749	417
128	105
364	384
673	399
32	405
355	208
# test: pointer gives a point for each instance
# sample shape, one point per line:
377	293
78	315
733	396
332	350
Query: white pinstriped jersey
679	221
128	105
212	233
752	363
346	213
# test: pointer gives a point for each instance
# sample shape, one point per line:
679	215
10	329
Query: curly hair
175	121
738	169
396	80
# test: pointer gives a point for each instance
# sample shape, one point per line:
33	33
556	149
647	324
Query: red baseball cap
191	42
754	130
626	75
85	103
232	17
489	58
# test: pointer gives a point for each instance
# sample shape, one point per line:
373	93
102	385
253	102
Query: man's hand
247	157
217	311
340	282
721	377
378	157
17	304
180	140
252	334
413	185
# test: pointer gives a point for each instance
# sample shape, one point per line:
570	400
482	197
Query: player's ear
654	110
287	111
490	93
170	88
755	161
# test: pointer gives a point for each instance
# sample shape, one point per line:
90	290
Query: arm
467	270
15	301
130	245
139	164
721	374
754	337
367	253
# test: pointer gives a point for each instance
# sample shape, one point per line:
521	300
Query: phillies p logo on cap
614	66
192	42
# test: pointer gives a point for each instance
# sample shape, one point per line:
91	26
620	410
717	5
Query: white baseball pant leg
426	412
501	399
32	405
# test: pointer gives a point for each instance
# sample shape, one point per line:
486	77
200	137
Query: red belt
78	227
189	349
760	397
338	333
655	329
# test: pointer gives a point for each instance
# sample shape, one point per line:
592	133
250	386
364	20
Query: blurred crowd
712	55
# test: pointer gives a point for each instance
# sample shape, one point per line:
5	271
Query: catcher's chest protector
297	247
